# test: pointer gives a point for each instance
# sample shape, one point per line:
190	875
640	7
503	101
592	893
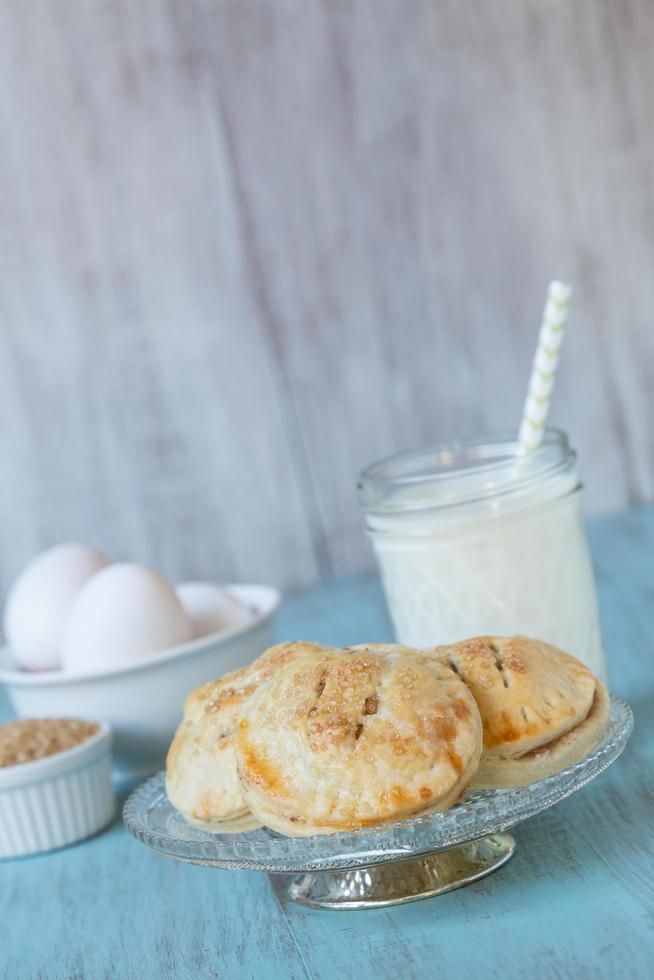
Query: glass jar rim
463	472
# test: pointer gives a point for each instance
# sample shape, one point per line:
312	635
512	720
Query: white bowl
143	701
57	800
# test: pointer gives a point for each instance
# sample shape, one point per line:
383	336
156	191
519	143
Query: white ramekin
55	801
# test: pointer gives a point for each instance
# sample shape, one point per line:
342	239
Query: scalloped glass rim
152	819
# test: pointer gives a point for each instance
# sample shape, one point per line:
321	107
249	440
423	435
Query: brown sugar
36	738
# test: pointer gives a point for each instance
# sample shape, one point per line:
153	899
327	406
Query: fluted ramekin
55	801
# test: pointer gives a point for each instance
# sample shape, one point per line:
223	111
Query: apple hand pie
342	739
541	709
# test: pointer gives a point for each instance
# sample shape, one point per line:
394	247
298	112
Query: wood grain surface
246	248
576	901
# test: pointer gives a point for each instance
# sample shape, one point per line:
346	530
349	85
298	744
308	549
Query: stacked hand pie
311	739
541	709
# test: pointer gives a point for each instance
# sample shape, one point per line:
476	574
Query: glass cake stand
390	864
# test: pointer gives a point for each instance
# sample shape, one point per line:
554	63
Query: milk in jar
472	539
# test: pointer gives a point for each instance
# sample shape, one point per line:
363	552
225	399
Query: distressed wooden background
247	247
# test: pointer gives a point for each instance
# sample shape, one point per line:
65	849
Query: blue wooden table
576	900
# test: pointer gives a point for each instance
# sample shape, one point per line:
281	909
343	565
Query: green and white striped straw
543	372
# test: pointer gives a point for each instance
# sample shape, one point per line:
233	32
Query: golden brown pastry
341	739
201	779
541	709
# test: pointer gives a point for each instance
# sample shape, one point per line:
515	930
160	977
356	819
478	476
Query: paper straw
543	372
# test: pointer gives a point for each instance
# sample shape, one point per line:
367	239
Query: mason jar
472	539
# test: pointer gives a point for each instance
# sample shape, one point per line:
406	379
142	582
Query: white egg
211	608
125	612
40	599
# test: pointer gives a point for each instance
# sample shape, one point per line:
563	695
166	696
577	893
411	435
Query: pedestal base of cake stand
401	881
